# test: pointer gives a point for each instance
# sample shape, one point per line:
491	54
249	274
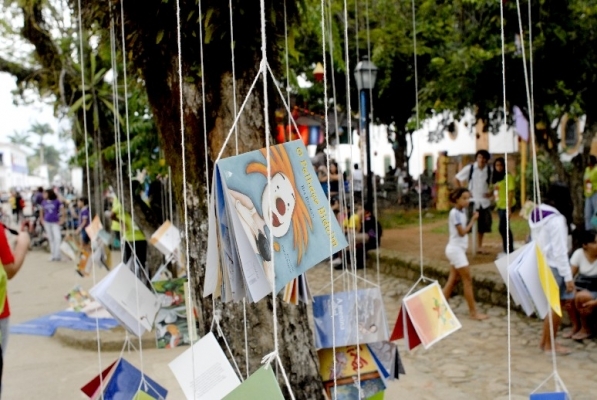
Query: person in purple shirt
84	220
52	217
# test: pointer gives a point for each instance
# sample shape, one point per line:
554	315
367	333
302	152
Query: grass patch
394	218
519	226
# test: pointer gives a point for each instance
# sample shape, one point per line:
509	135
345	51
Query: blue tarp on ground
47	325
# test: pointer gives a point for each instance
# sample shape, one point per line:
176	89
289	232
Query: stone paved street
470	364
473	362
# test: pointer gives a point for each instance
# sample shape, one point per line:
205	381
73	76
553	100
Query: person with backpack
478	176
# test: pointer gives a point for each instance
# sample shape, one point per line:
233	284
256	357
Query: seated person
353	222
584	261
367	238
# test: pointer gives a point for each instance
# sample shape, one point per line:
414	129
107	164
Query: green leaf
159	37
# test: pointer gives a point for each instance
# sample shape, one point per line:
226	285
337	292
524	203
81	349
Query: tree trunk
161	77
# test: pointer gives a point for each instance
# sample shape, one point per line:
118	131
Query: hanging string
86	140
536	181
267	146
184	172
130	172
247	371
327	143
375	209
508	250
287	68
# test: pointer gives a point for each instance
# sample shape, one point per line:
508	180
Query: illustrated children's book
122	380
425	317
128	300
262	385
387	358
358	317
166	239
171	324
203	371
264	227
351	363
532	284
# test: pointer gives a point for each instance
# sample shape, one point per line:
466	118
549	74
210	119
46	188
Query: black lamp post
365	74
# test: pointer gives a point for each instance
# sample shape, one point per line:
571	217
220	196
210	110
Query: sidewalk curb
110	340
488	286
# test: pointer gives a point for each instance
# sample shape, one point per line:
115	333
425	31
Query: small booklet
122	380
171	323
166	239
351	362
94	228
358	317
78	298
550	396
203	371
128	300
425	317
259	228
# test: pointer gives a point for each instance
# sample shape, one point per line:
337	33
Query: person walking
590	189
504	201
52	216
456	250
478	176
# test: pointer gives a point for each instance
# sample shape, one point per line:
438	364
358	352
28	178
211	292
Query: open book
127	299
425	317
260	228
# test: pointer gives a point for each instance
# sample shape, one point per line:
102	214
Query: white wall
465	142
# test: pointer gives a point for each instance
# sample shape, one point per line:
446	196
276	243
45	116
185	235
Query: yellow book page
548	283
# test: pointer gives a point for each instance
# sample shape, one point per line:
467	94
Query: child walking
456	250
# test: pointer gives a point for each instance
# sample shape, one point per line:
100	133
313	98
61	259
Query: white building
466	138
13	167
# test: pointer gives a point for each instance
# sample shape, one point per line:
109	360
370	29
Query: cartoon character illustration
341	361
281	207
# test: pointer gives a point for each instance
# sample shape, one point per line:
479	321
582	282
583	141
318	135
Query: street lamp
365	74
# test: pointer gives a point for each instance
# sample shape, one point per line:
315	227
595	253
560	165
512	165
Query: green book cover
261	385
141	395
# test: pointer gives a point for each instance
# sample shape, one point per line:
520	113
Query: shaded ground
406	239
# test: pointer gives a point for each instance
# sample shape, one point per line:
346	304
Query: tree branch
18	71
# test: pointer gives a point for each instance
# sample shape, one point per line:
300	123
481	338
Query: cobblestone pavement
472	363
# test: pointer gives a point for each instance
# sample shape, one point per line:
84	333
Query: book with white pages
529	274
212	263
502	266
203	371
526	301
127	299
166	239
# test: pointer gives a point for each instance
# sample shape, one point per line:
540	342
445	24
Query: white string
508	250
418	125
207	187
327	143
354	268
536	180
269	178
216	319
236	152
128	145
287	67
84	110
184	172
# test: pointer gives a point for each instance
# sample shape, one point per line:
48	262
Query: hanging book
166	239
425	317
93	228
171	324
78	298
122	380
354	317
262	385
387	358
532	284
341	378
69	248
203	371
550	396
257	226
127	299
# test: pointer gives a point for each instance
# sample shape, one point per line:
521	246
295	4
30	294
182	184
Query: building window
570	137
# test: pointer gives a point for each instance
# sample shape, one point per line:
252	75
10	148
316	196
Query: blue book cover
549	396
357	317
292	210
126	382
